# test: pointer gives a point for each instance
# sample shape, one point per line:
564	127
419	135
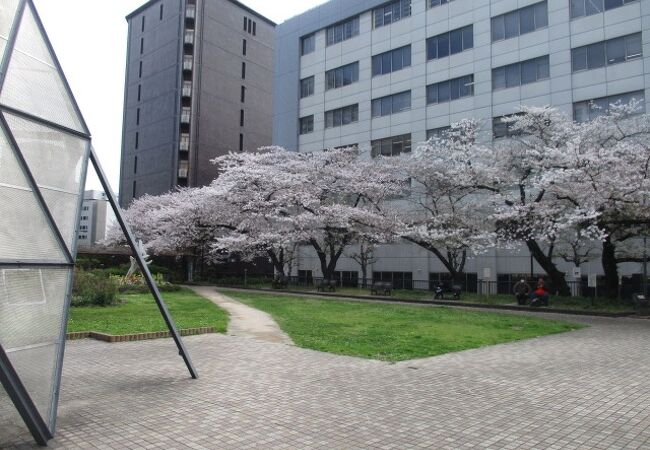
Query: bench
280	282
381	288
327	285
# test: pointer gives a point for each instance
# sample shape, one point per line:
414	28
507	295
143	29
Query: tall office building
388	75
199	84
93	220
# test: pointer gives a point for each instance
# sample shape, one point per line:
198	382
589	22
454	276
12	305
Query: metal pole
23	402
142	264
245	277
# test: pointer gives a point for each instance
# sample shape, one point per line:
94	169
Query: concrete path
245	321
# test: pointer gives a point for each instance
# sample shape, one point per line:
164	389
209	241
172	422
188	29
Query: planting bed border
135	337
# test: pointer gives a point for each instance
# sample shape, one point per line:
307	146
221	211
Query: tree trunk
457	275
328	262
557	278
364	274
277	261
610	266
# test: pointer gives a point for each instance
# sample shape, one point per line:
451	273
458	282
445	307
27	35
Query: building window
450	90
581	8
342	76
162	11
501	129
140	70
433	3
84	217
307	44
343	31
141	46
399	280
85	208
612	51
243	94
241	117
243	70
520	73
135	165
392	12
590	109
254	28
137	116
450	43
307	87
244	47
139	92
391	61
391	104
342	116
137	140
306	124
134	189
143	24
241	142
520	21
438	133
391	146
83	227
250	26
184	144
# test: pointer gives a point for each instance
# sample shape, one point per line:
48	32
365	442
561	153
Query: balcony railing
184	145
188	62
186	116
183	169
189	37
187	89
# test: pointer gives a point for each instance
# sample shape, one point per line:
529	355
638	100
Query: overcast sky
89	37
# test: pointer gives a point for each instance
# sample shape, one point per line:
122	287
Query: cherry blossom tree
446	212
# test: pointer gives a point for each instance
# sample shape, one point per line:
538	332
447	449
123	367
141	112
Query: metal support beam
130	238
23	402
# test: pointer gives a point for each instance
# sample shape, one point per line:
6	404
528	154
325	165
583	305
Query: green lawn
393	332
139	313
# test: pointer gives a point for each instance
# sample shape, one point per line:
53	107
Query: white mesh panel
33	83
7	14
31	315
25	234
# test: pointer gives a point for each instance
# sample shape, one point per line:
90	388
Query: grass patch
138	313
393	332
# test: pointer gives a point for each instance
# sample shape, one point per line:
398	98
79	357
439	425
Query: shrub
93	289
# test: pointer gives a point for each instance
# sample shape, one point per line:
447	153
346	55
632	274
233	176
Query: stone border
111	339
573	312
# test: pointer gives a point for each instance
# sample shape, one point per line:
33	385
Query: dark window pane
468	37
466	86
443	46
443	92
634	47
432	48
386	106
527	18
386	62
528	72
615	49
432	94
596	55
454	86
512	24
397	60
406	55
499	78
577	10
498	28
593	7
541	15
579	59
376	65
456	41
543	68
379	17
376	108
513	75
609	4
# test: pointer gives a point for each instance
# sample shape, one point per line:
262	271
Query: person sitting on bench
521	290
540	296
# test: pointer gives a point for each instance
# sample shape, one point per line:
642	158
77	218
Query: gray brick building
199	83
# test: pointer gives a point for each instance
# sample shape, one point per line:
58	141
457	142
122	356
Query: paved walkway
245	321
588	389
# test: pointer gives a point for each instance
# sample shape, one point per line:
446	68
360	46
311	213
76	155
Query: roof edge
235	2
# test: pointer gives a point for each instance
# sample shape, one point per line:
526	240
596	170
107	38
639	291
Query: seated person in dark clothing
521	290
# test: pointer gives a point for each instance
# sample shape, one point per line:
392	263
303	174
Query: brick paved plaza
584	390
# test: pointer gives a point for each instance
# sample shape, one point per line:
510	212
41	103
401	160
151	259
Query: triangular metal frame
43	428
